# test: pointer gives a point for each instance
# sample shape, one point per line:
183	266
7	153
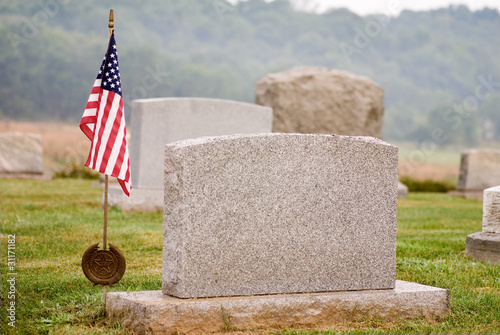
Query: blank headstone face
479	169
279	213
156	122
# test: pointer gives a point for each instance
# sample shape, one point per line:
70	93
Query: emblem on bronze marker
103	267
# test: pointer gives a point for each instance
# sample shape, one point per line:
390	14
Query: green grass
55	221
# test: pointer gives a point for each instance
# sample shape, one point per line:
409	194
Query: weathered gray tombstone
274	203
156	122
479	170
315	100
275	231
485	245
21	155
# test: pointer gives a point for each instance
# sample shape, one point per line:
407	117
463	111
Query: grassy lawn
55	221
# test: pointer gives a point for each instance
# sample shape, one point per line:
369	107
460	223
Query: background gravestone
479	170
320	100
156	122
21	155
279	213
485	245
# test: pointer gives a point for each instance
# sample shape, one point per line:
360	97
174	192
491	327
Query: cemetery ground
55	220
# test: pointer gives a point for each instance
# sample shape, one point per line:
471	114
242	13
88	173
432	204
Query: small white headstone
491	210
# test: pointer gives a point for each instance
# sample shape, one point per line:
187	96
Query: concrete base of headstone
152	312
484	247
140	200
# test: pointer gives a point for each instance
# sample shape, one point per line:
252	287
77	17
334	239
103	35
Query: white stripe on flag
107	127
95	161
119	137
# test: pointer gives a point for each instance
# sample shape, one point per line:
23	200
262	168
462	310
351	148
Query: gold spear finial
111	24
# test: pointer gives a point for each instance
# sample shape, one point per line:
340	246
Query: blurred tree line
439	69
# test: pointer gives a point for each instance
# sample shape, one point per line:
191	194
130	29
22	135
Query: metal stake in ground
104	267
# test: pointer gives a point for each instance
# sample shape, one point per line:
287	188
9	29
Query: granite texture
479	169
484	247
279	213
156	122
491	210
321	100
21	154
151	312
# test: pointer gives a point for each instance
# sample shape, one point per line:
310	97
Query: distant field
65	143
428	162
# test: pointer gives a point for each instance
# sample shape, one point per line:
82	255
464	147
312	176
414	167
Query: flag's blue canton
110	71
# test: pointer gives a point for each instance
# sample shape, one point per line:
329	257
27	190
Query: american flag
103	122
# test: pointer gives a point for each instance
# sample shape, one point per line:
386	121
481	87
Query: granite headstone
279	213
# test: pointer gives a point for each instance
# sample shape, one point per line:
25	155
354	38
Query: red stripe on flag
102	127
90	113
125	186
113	131
96	89
92	105
87	131
119	159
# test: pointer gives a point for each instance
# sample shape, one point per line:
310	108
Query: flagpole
105	229
111	25
105	233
